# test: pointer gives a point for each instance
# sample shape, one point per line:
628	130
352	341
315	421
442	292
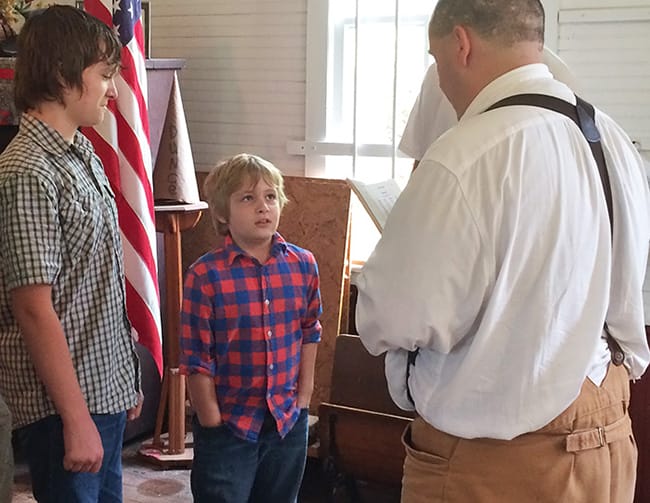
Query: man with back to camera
509	272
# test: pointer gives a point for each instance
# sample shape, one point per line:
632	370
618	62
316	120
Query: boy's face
87	106
254	215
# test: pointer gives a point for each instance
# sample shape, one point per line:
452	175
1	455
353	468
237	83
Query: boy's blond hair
229	176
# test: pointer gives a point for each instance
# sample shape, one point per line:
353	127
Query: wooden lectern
171	220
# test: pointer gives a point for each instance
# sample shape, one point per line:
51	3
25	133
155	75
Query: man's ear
463	40
222	220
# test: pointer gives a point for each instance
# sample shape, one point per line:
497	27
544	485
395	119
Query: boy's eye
272	196
110	72
247	197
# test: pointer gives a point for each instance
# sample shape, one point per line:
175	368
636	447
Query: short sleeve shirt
58	222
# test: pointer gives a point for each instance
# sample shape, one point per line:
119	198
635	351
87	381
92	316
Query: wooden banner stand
171	450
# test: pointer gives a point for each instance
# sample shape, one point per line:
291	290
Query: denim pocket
207	435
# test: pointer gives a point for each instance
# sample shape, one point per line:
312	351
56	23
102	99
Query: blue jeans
227	469
43	446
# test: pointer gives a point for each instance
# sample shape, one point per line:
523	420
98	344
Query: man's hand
84	451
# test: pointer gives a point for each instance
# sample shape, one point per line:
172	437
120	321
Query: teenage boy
250	324
68	368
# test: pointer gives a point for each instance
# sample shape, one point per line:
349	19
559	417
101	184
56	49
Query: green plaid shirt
58	226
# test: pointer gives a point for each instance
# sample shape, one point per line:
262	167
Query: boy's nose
111	92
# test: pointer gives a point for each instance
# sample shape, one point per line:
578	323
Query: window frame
315	147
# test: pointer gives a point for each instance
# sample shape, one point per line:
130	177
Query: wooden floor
147	483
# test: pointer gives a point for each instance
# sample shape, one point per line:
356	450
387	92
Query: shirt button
269	333
271	367
267	302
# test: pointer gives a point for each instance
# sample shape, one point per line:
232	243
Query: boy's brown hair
229	176
54	48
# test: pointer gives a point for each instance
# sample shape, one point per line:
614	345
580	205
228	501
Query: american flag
122	143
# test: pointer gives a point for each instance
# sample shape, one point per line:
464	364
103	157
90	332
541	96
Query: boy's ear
221	219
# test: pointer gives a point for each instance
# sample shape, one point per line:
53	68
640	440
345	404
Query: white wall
607	46
244	83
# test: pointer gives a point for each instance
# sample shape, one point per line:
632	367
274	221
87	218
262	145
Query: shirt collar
51	140
233	251
534	78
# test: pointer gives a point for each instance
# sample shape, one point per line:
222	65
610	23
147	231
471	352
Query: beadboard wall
607	45
243	86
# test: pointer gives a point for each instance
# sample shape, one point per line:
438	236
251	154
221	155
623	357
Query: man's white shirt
496	262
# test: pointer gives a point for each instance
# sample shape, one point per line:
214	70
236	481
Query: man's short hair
54	48
230	175
503	21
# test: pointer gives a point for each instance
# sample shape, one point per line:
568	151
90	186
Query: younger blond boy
249	328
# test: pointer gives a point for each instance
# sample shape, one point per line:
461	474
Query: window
365	65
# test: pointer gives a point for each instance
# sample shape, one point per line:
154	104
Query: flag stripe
108	156
135	197
139	36
128	143
130	199
130	186
138	274
143	322
131	79
99	10
134	234
122	142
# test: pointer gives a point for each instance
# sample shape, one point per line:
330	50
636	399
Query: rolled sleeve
196	338
31	244
311	327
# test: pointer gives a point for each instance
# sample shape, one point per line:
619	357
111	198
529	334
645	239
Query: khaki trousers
585	455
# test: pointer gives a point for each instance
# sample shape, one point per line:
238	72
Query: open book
377	198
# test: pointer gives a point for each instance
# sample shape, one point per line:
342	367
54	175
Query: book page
377	198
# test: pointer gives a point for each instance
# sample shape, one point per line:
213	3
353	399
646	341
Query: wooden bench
360	428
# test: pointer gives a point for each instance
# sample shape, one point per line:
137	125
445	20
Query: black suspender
584	116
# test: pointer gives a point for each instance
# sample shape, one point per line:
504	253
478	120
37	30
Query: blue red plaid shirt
244	323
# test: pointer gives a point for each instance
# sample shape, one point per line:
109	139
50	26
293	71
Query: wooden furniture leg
171	221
